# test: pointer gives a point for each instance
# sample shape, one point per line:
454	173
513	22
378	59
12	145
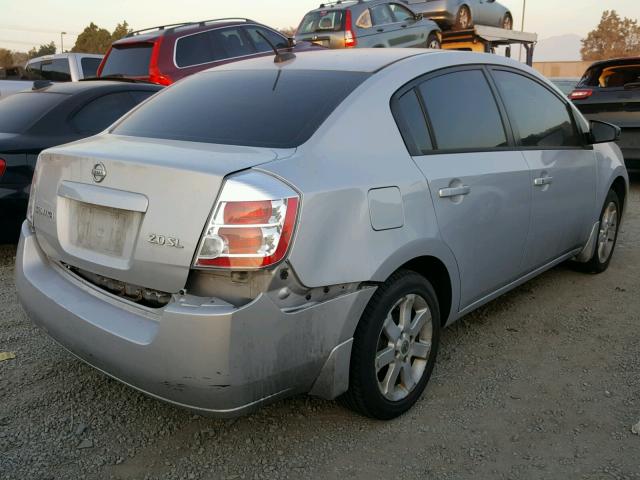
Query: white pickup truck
62	67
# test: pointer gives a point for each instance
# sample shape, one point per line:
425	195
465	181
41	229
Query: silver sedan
310	225
464	14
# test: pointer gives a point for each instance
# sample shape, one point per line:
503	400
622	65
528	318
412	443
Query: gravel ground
542	383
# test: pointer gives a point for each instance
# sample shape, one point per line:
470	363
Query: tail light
3	166
350	40
31	206
580	94
251	225
154	69
102	63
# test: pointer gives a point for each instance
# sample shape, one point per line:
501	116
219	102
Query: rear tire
395	347
464	20
607	235
507	22
433	41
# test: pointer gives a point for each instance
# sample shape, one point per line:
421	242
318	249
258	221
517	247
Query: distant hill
557	49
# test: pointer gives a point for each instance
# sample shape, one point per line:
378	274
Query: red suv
168	53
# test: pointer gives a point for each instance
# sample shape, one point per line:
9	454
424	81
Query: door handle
454	191
404	26
542	181
380	30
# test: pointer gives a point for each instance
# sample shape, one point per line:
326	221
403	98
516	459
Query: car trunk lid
132	209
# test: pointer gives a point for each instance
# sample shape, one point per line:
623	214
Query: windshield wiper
632	85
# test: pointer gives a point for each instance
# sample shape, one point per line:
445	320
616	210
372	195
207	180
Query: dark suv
610	91
370	24
168	53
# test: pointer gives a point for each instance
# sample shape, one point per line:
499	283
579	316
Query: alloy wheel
404	344
608	232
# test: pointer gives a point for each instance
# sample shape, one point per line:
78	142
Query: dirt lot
542	383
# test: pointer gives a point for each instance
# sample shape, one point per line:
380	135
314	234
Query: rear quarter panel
359	148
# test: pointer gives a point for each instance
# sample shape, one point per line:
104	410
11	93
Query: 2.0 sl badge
164	241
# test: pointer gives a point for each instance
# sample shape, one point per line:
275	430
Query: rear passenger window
412	124
98	114
540	117
56	70
196	50
90	66
463	112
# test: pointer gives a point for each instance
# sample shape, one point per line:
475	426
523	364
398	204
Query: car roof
152	33
348	60
64	55
615	61
72	88
339	5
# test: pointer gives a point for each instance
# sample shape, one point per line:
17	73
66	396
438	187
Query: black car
52	115
610	91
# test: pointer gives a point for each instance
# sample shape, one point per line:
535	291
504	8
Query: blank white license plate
100	229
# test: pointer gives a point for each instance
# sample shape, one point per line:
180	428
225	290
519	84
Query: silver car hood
102	203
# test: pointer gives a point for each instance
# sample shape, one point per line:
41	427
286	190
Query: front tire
607	235
464	21
395	347
433	41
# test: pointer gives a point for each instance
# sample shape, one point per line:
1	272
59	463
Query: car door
478	183
411	33
385	28
563	171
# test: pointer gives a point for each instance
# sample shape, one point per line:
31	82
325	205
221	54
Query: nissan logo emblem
98	172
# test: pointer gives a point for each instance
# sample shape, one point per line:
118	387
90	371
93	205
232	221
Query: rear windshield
90	66
20	111
613	76
322	21
128	61
260	108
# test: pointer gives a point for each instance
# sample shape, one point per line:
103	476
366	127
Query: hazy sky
25	23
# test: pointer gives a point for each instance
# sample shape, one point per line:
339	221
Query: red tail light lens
350	40
3	166
103	62
581	94
252	224
154	68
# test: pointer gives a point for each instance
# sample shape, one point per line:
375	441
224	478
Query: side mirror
603	132
292	42
418	16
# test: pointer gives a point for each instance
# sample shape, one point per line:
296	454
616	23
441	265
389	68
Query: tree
121	30
93	39
20	58
46	49
613	37
6	58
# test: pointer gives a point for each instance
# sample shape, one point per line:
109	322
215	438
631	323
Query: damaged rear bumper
205	355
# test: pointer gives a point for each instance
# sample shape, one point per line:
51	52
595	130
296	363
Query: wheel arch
619	185
436	272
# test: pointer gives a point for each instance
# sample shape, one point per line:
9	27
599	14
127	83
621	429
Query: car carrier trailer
486	39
